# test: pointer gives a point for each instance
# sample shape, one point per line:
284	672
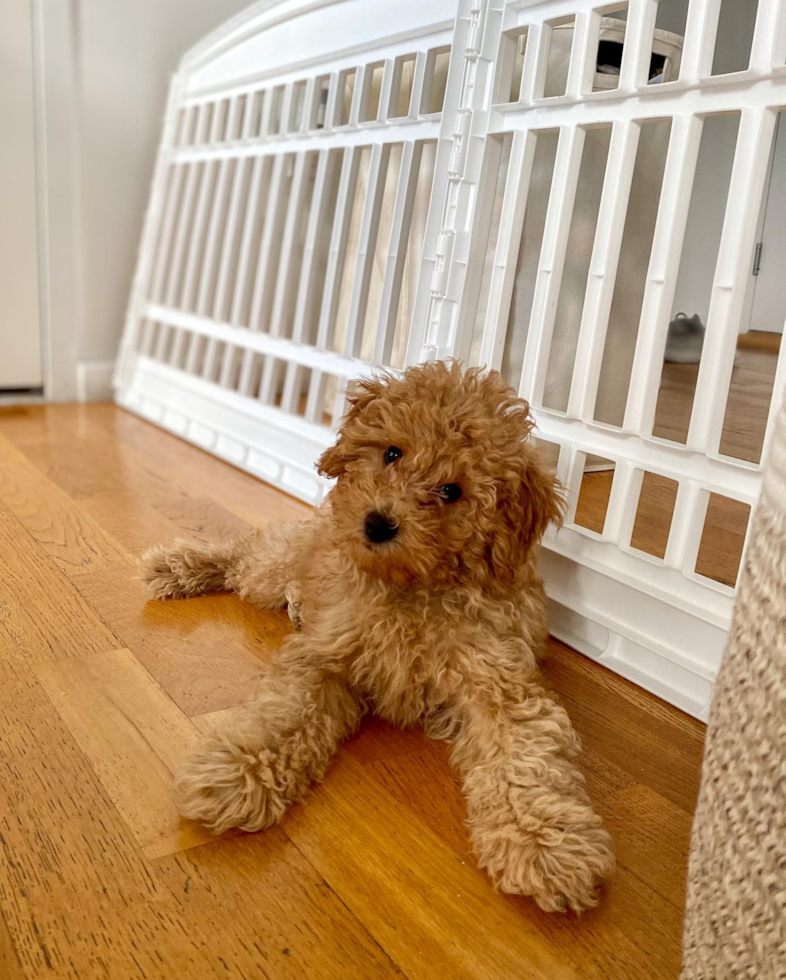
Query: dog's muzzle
380	528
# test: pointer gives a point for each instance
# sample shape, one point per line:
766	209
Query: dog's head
437	479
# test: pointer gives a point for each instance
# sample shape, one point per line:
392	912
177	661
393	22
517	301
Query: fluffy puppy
417	588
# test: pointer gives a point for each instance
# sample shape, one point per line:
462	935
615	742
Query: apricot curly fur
440	626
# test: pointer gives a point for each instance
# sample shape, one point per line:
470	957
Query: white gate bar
763	55
285	281
694	535
473	278
163	255
564	182
260	300
574	462
503	270
383	110
184	218
380	154
637	48
262	179
580	56
229	246
529	70
746	191
709	34
160	344
234	109
308	98
316	396
394	131
621	506
267	112
694	42
179	348
777	398
416	97
196	238
662	273
271	374
259	342
306	286
628	517
760	91
602	275
338	247
683	524
293	383
244	254
397	251
206	275
741	482
286	111
246	132
779	34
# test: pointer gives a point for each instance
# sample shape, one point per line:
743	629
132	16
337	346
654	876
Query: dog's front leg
532	824
273	749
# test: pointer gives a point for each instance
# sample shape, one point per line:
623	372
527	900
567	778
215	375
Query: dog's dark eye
449	492
392	453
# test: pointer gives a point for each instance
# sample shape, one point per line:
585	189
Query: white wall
125	52
20	338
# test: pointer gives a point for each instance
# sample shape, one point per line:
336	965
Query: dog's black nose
380	528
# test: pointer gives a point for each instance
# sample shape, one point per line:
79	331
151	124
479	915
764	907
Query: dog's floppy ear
541	501
526	505
333	462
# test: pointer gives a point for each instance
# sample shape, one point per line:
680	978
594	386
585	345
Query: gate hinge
458	154
477	27
757	258
443	255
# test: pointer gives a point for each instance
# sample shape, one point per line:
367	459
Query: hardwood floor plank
295	927
652	837
10	967
239	492
67	858
657	745
131	521
84	460
134	737
41	611
63	530
205	652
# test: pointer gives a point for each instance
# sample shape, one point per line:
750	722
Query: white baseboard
94	381
273	445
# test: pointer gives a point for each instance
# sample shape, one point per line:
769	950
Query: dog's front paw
560	868
222	784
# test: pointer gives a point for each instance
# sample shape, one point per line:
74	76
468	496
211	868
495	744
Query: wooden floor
101	694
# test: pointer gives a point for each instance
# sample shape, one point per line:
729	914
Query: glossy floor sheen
101	694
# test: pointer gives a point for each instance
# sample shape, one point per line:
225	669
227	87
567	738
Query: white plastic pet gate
530	185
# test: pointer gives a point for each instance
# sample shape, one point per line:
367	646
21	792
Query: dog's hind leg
270	752
532	824
260	567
